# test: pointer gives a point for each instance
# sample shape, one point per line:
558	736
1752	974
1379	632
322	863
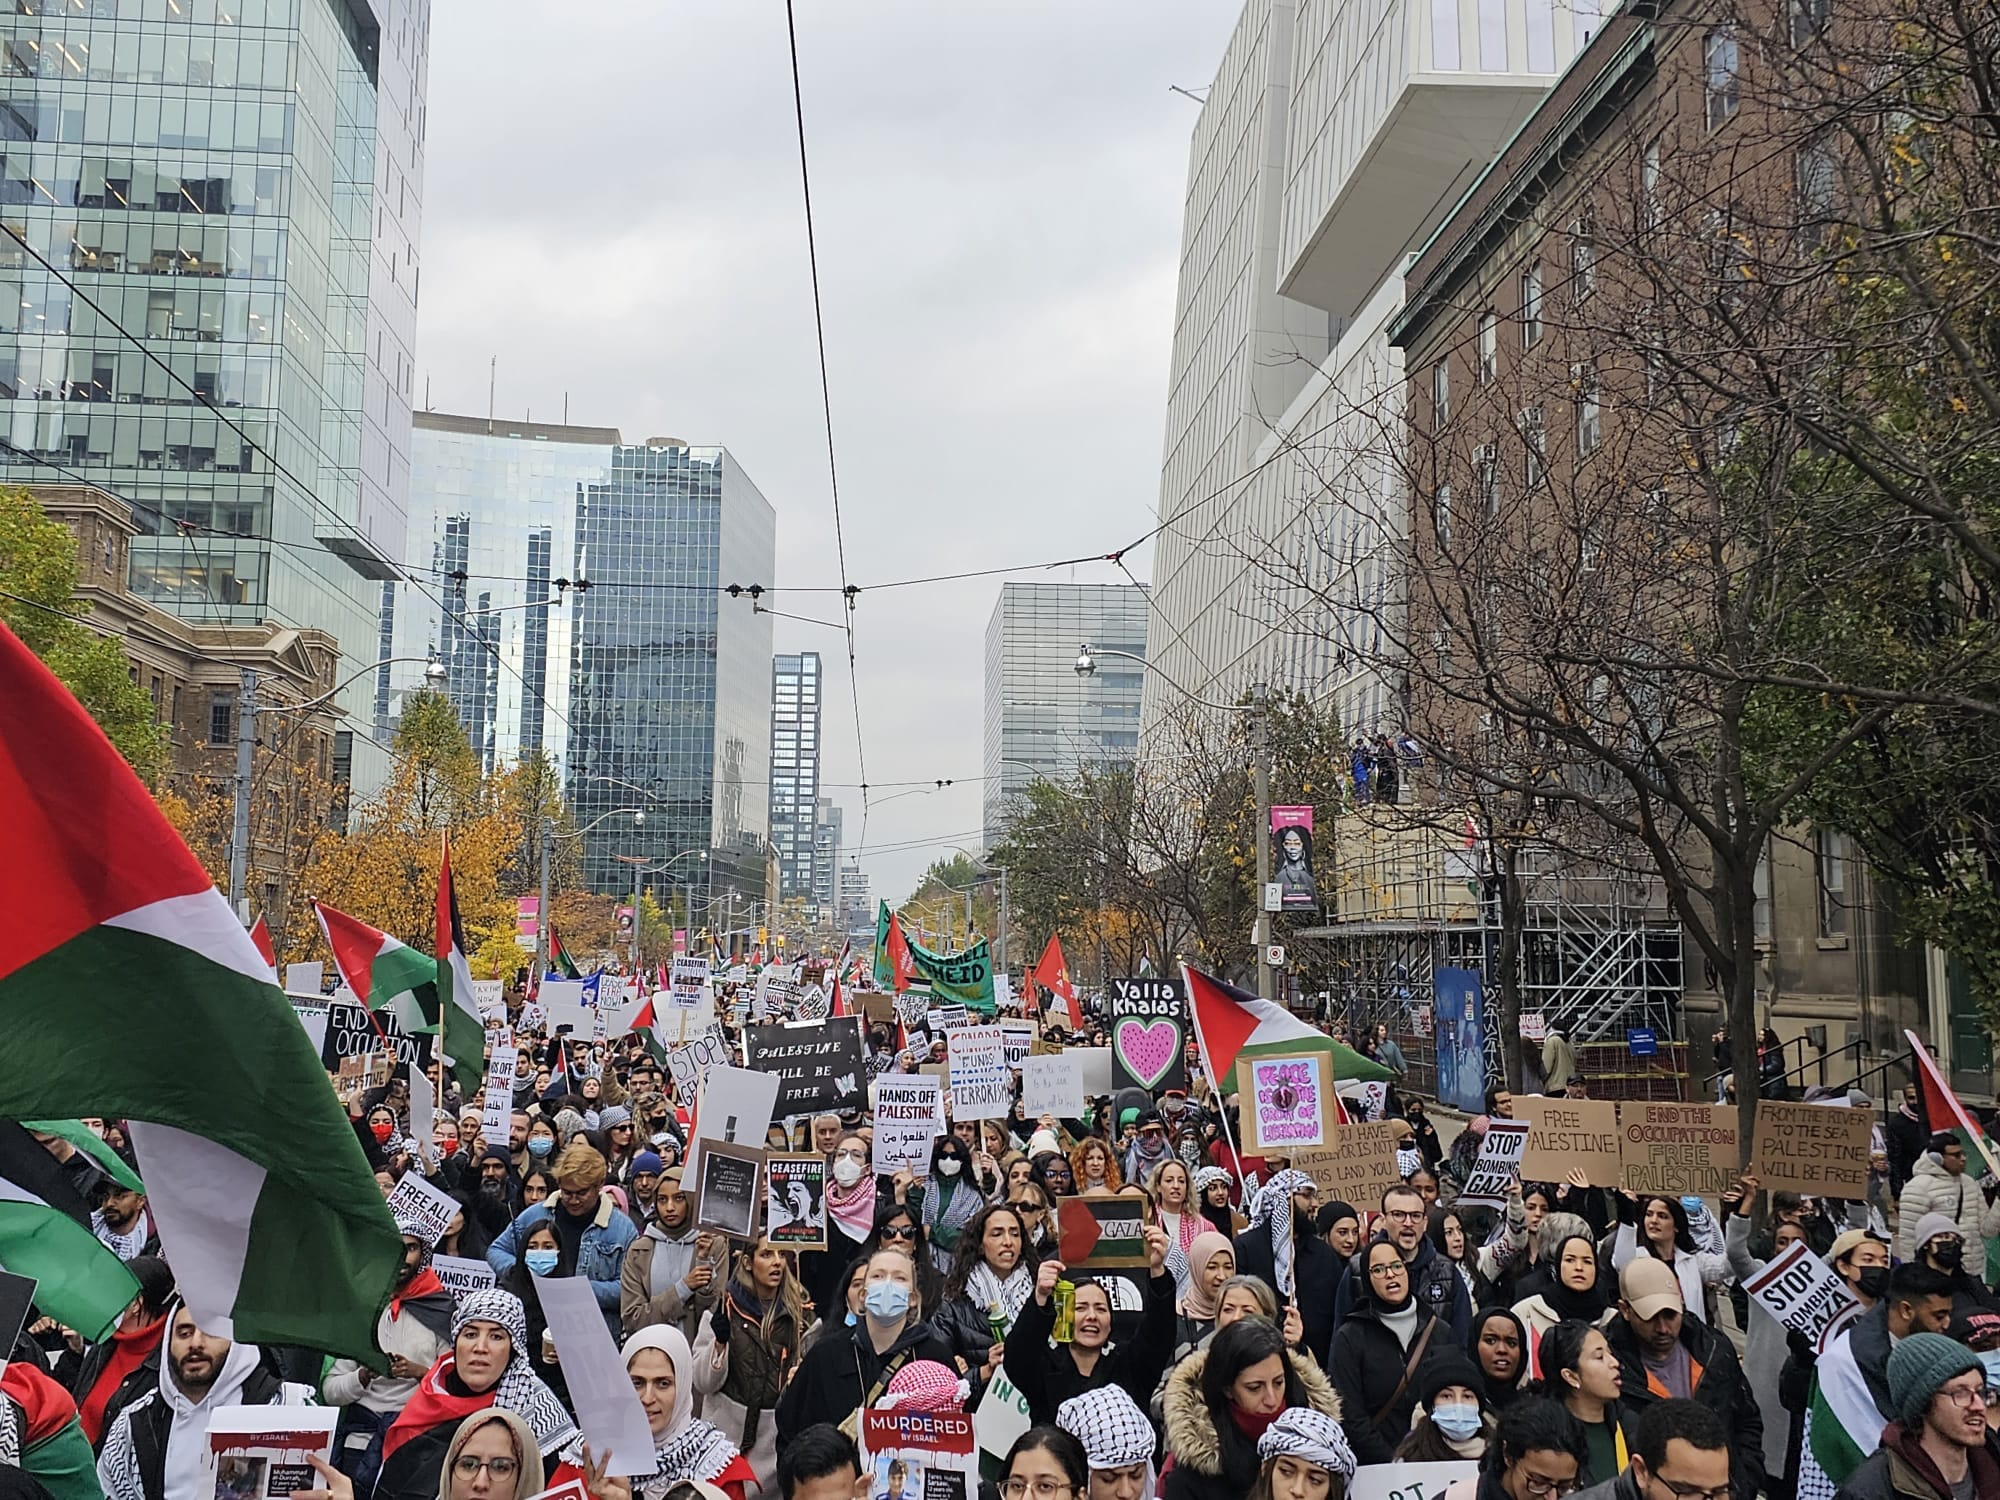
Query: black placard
819	1064
348	1034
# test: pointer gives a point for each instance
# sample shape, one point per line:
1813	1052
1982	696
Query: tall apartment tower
236	185
1334	139
572	586
795	706
1041	719
826	859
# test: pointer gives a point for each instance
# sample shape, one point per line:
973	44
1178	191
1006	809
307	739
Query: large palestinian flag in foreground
1231	1023
129	989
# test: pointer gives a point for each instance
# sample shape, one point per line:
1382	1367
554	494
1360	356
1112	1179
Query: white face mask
847	1171
951	1166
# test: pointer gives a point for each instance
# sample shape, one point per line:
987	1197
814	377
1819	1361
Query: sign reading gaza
819	1064
349	1034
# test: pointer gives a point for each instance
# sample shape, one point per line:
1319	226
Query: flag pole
1208	1066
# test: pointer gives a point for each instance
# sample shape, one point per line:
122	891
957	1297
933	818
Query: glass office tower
235	186
795	722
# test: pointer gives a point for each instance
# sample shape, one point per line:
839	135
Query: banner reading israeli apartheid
965	977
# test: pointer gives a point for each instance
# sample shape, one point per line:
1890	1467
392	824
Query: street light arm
1085	667
332	692
616	812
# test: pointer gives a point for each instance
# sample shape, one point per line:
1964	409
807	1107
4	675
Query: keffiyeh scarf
1310	1435
986	1290
1273	1209
126	1245
1112	1429
520	1389
690	1447
853	1209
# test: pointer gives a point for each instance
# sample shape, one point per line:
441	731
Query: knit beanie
613	1114
647	1161
1930	1226
1448	1367
1919	1366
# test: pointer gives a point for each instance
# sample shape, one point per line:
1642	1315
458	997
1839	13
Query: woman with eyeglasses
485	1368
1045	1463
1377	1350
1223	1400
1537	1453
991	1279
1056	1173
1580	1370
490	1457
851	1368
1047	1373
850	1219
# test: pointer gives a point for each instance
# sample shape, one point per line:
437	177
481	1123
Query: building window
221	720
1441	515
1582	259
1760	889
1817	173
1719	52
1531	307
1589	413
1649	184
1534	443
1440	396
1489	347
1486	471
1809	19
1831	856
1589	548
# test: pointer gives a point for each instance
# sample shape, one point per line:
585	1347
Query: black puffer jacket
1222	1465
1368	1365
1719	1386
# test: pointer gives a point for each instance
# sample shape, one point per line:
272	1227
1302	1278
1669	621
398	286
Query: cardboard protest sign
919	1455
421	1210
981	1088
795	1201
820	1065
726	1199
1404	1481
600	1389
878	1005
460	1275
1020	1037
1818	1149
1148	1034
909	1116
1051	1084
1677	1149
350	1034
1287	1102
1498	1165
1101	1233
1357	1165
1804	1293
1569	1135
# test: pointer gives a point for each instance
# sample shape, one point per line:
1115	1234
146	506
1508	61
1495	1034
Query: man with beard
1437	1286
157	1446
412	1331
642	1189
122	1221
669	1271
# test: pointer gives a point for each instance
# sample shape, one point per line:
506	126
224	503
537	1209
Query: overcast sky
612	206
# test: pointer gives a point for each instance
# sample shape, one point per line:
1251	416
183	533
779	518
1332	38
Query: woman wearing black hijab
1499	1347
1572	1289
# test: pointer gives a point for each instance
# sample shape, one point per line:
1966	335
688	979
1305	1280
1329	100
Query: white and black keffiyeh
1274	1208
1112	1429
125	1245
1205	1179
690	1448
1309	1435
987	1291
520	1390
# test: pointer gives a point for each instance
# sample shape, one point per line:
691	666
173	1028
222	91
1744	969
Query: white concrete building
1335	137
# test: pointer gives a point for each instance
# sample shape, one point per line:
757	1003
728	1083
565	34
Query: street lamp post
1260	706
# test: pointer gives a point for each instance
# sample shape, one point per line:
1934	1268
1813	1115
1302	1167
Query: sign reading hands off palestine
1677	1149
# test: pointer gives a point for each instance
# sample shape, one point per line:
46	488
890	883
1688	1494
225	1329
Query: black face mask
1948	1257
1873	1282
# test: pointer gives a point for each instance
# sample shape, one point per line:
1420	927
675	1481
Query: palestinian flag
45	1233
1231	1023
260	934
1942	1109
901	964
460	1028
119	962
91	1145
383	972
1052	974
1843	1424
559	960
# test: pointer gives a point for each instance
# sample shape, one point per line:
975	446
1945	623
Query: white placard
460	1276
304	979
423	1117
1003	999
1498	1165
1096	1065
1020	1037
1002	1416
735	1105
1051	1084
490	995
688	986
1409	1481
1805	1294
420	1209
497	1118
600	1390
909	1115
686	1066
980	1086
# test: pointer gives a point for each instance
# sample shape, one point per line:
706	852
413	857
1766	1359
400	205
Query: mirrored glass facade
795	716
1041	718
235	184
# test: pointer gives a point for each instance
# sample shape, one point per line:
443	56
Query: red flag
901	964
1941	1106
260	934
1028	1005
1053	963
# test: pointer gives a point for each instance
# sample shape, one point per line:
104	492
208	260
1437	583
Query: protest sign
878	1005
420	1209
919	1455
909	1116
460	1275
497	1115
1051	1084
600	1389
819	1064
1148	1034
1570	1135
1096	1065
1804	1293
1101	1234
490	995
980	1086
1498	1165
1369	1098
1817	1149
569	1489
1677	1149
1405	1481
811	1004
261	1452
1020	1037
1286	1102
727	1199
687	1066
1357	1164
349	1033
1002	1417
950	1015
795	1201
736	1107
304	979
423	1118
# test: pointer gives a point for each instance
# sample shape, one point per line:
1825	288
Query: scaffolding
1600	953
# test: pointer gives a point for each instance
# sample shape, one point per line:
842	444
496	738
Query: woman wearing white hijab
685	1448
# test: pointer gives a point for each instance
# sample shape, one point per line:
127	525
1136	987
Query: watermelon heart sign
1148	1034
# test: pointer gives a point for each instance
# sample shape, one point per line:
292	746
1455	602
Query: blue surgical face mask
1455	1419
852	1320
541	1262
887	1299
540	1145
